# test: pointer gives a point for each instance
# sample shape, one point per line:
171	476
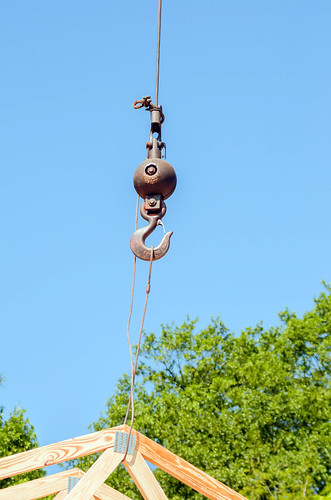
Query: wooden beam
49	485
96	475
61	495
184	471
105	492
109	493
57	452
144	478
39	488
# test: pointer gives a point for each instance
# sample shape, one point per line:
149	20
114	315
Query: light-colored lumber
39	488
104	440
96	475
61	495
144	478
108	493
49	485
184	471
105	492
57	452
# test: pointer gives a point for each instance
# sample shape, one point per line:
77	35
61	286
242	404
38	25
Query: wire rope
158	55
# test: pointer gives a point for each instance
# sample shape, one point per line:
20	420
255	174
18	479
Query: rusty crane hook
137	241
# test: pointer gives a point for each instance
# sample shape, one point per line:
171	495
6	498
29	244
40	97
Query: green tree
16	435
251	409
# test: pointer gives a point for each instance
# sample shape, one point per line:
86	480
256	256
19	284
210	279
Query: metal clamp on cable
144	102
154	145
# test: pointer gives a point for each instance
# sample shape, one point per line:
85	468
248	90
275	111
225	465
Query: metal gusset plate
72	481
121	441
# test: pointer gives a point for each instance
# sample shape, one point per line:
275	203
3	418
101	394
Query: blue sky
245	88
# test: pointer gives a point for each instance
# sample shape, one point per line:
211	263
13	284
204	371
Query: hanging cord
134	368
131	307
158	55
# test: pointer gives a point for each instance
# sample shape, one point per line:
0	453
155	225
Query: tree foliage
17	435
251	409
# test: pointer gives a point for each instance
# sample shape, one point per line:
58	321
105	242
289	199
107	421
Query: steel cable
158	55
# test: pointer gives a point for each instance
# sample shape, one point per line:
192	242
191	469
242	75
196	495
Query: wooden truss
91	484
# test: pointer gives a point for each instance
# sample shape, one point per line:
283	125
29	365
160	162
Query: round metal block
155	176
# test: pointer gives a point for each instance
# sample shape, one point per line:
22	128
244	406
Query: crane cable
158	55
148	286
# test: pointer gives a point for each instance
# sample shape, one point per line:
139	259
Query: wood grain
144	478
184	471
105	492
104	440
96	475
108	493
60	496
49	485
57	452
39	488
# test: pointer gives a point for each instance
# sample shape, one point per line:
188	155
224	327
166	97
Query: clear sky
245	88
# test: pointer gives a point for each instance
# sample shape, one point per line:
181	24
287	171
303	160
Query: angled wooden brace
144	478
61	495
106	492
96	475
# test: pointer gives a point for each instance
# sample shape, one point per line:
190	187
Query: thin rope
158	55
131	306
134	370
